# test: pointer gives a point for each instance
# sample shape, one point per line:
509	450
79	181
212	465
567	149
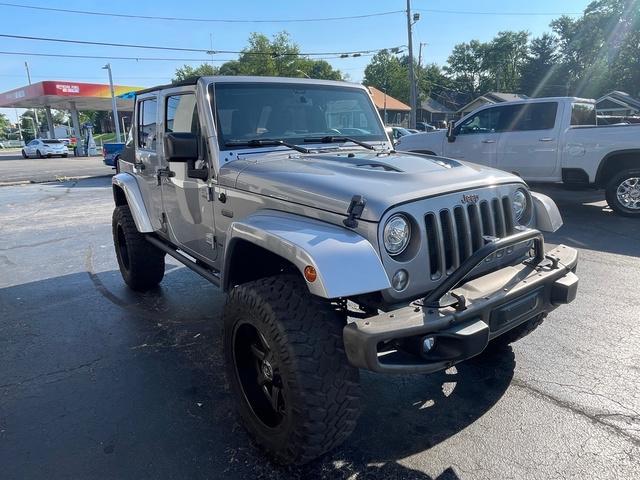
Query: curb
57	179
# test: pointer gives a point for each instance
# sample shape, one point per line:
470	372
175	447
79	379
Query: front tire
141	264
38	154
623	193
297	394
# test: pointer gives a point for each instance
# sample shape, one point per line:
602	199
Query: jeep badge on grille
470	198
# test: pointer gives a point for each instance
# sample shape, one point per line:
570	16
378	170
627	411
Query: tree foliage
5	126
278	57
600	51
389	72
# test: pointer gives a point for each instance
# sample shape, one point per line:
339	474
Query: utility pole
35	112
420	53
114	107
411	19
18	122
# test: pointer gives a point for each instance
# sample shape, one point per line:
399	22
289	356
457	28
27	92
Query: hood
328	181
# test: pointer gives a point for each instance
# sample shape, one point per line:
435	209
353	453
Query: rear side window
528	116
583	114
182	114
147	131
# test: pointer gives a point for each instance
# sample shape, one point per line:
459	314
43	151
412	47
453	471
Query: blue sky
440	30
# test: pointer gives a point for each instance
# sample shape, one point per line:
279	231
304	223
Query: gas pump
89	142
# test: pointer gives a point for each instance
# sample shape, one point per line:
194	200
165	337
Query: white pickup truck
545	140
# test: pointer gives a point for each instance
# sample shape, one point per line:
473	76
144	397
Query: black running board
186	261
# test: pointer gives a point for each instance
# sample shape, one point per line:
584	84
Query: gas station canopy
65	95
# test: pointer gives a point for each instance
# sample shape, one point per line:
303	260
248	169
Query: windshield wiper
266	142
338	139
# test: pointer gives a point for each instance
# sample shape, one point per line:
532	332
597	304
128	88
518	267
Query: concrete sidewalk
16	170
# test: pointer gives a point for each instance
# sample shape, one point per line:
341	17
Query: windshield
293	112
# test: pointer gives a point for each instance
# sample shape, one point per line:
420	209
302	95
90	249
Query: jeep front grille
454	234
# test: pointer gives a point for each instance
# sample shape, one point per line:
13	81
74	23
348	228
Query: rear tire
297	395
24	154
65	155
141	264
623	193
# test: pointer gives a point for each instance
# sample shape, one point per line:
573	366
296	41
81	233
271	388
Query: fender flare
127	183
346	263
601	166
547	214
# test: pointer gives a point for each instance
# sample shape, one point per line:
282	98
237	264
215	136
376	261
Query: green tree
278	57
542	73
5	126
466	66
187	71
388	73
600	51
503	59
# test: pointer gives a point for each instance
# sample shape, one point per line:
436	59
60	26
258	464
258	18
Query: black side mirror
183	147
451	136
180	147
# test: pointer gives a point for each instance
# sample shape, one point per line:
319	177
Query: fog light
400	280
427	344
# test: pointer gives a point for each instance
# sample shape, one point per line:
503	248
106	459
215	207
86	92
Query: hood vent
379	166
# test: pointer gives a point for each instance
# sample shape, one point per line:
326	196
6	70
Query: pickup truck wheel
623	193
297	394
141	264
517	333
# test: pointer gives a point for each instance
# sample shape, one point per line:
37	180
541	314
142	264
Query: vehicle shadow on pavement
590	224
98	379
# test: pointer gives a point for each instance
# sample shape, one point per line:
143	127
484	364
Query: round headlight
396	234
520	203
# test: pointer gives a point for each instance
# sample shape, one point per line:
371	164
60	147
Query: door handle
546	139
488	140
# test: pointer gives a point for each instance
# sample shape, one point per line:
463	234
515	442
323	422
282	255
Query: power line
466	12
201	20
181	49
111	57
107	57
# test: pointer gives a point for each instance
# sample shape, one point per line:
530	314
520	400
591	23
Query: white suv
45	148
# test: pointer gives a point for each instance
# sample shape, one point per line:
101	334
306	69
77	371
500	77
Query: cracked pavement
101	382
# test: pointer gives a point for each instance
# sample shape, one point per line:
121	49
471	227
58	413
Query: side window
182	114
485	121
147	131
529	116
583	114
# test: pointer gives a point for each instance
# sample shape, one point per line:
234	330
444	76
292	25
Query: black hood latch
354	212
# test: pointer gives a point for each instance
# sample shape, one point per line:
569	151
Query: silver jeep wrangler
337	253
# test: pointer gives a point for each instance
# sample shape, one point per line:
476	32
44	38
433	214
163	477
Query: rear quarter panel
586	147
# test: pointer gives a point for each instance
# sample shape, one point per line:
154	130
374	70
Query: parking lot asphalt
15	169
97	381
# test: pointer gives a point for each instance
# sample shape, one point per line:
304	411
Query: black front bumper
494	304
